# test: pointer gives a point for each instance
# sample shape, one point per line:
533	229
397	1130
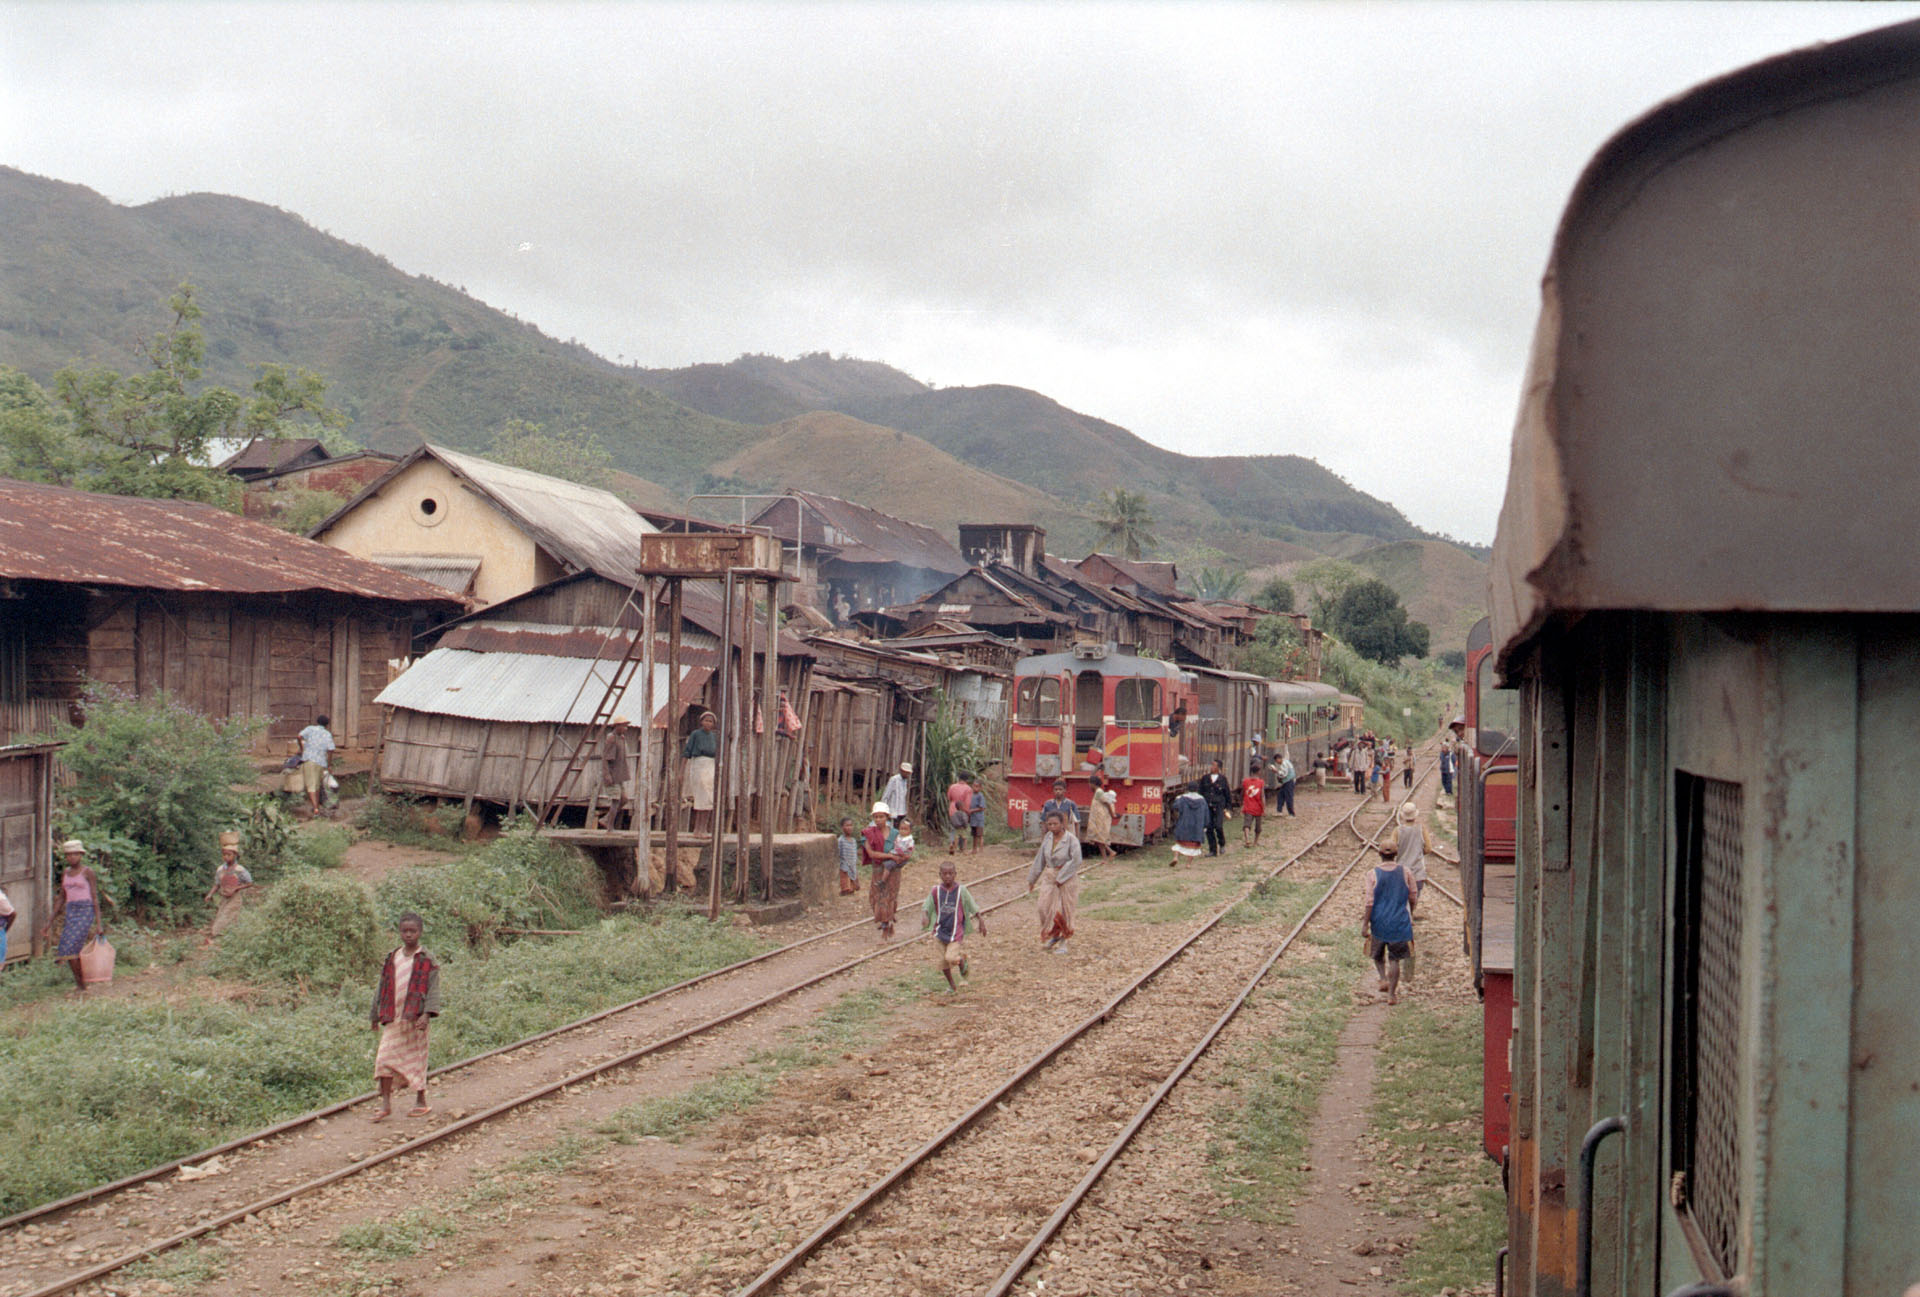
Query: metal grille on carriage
1708	947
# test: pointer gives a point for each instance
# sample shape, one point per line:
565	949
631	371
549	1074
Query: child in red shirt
1253	806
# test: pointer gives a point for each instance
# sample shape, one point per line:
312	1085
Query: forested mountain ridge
84	280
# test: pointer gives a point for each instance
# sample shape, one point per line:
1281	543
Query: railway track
960	1172
202	1211
195	1220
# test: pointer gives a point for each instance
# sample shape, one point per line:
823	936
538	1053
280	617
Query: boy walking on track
1386	921
947	910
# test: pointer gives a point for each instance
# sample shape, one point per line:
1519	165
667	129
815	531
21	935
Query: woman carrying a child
880	852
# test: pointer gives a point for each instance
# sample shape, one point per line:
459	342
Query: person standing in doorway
701	753
316	754
895	793
405	1002
1219	794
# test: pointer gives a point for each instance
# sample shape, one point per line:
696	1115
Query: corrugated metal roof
864	535
528	688
267	454
453	572
53	533
583	526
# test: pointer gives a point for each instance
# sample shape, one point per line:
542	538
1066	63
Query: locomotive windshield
1038	702
1137	702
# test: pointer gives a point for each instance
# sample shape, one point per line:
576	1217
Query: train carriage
1699	592
1486	806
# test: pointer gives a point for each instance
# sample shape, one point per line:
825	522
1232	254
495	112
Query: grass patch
1425	1140
91	1090
1263	1126
1147	895
183	1267
413	822
675	1116
393	1240
1284	894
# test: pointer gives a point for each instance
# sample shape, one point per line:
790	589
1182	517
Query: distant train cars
1149	726
1487	806
1701	592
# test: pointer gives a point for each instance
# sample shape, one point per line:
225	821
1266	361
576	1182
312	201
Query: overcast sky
1313	229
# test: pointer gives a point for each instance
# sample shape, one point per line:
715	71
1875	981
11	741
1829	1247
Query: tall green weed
153	787
316	929
519	880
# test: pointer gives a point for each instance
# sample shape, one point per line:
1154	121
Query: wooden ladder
590	742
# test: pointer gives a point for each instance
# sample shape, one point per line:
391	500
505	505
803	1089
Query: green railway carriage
1705	592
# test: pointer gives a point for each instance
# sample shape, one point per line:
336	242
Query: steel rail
99	1191
210	1224
799	1253
1011	1275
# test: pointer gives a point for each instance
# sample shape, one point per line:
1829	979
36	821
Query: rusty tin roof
53	533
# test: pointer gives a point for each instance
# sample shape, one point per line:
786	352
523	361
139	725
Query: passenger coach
1704	590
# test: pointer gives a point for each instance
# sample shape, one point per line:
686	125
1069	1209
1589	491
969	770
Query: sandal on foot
419	1110
382	1116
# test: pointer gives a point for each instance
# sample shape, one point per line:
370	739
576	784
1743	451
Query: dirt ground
561	1198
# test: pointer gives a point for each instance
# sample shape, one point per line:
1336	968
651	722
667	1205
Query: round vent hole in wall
429	511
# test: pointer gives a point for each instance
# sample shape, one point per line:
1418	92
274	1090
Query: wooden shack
230	617
26	842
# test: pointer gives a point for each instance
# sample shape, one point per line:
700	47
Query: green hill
83	280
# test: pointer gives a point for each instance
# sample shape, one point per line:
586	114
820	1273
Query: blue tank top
1390	918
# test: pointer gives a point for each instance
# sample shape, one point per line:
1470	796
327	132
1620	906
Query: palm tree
1125	522
1219	583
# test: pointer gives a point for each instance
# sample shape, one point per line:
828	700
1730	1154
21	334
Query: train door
1137	756
1089	715
1033	745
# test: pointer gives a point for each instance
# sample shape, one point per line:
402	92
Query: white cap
72	845
906	767
881	808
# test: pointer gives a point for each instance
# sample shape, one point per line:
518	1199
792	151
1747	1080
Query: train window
1137	702
1038	702
1499	713
1703	1056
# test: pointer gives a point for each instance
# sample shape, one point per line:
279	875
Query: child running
1386	921
947	910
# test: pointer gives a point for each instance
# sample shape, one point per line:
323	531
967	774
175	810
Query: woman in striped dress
76	909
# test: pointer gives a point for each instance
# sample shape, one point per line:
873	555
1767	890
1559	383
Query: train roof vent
1091	652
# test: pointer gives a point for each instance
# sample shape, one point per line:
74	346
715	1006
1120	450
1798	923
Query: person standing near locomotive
1100	815
1055	875
1447	758
1062	804
1219	794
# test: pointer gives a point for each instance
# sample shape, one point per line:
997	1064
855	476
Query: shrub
316	929
153	785
952	749
519	880
412	821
